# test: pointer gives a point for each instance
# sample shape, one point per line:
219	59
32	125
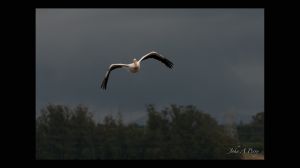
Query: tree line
176	132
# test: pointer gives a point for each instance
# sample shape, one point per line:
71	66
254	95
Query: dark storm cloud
218	57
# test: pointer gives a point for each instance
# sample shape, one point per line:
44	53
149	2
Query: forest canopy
176	132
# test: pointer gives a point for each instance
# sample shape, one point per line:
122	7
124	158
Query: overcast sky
218	57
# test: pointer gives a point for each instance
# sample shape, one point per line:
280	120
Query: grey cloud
218	57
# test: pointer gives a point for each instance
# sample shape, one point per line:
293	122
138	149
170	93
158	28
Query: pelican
136	65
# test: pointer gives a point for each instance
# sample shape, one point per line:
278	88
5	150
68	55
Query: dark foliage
177	132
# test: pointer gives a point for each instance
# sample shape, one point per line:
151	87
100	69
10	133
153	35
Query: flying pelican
135	66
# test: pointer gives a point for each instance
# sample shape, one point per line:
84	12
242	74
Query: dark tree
176	132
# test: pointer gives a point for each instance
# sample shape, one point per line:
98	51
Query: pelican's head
134	60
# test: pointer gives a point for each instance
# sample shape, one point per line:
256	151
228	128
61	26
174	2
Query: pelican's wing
111	67
158	57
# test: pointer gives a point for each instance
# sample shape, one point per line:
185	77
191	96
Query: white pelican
135	66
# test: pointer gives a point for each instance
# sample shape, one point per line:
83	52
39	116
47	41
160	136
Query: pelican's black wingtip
103	86
170	64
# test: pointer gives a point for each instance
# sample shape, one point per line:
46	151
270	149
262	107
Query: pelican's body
135	66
